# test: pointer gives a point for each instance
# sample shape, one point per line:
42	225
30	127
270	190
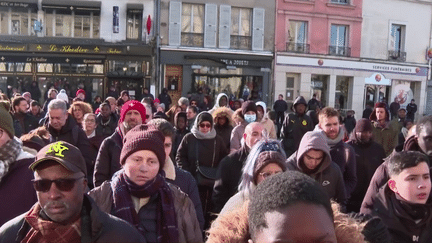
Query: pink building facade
319	17
316	44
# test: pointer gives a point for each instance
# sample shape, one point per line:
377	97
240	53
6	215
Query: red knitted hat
133	105
79	92
143	137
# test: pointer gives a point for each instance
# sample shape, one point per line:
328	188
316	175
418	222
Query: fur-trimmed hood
233	227
223	111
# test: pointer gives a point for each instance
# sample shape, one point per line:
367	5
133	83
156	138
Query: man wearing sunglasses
133	113
64	213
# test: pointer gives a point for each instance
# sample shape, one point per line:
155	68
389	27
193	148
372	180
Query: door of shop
376	93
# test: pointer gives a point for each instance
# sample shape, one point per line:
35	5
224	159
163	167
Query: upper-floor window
133	24
339	40
17	21
397	42
340	1
297	36
241	28
192	21
72	22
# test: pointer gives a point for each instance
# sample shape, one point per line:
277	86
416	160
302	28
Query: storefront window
79	68
231	82
341	97
132	66
319	87
96	68
44	67
23	67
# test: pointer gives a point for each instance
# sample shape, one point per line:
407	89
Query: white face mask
250	118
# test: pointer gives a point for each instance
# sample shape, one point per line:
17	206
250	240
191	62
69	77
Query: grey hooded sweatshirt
327	173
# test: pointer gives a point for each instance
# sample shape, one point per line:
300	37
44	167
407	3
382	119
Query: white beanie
63	96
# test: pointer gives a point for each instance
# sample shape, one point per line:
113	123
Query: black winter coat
74	135
368	158
96	226
293	129
210	152
396	215
228	178
108	159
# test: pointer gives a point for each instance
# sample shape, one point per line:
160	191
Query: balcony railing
241	42
397	55
340	51
297	47
192	39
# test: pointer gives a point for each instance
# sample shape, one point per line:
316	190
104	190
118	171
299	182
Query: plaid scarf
45	231
8	154
123	207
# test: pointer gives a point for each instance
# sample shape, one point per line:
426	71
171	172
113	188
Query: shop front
350	84
244	76
94	68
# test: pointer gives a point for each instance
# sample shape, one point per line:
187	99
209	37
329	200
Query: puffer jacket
101	227
108	159
328	174
234	227
187	222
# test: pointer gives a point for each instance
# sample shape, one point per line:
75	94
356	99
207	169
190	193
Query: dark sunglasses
62	184
202	125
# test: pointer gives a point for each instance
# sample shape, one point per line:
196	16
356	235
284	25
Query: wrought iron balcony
397	55
297	47
241	42
340	1
192	39
340	51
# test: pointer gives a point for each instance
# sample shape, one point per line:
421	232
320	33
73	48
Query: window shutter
258	29
174	32
224	26
210	25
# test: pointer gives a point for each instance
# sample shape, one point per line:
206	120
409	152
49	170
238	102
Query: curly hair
85	107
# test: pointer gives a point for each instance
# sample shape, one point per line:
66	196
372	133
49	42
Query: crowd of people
122	170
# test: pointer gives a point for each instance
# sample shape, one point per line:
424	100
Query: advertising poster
402	94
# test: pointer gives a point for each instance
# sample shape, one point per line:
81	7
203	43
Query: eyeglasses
269	173
62	184
202	125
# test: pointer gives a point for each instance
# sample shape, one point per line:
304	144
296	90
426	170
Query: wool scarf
332	142
199	135
123	206
46	231
8	154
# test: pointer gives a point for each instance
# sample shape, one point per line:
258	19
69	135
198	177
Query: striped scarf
8	154
123	207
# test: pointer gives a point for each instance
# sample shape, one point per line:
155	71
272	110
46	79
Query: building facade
101	46
351	52
213	47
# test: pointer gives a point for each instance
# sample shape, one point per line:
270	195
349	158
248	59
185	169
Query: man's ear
392	185
244	136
